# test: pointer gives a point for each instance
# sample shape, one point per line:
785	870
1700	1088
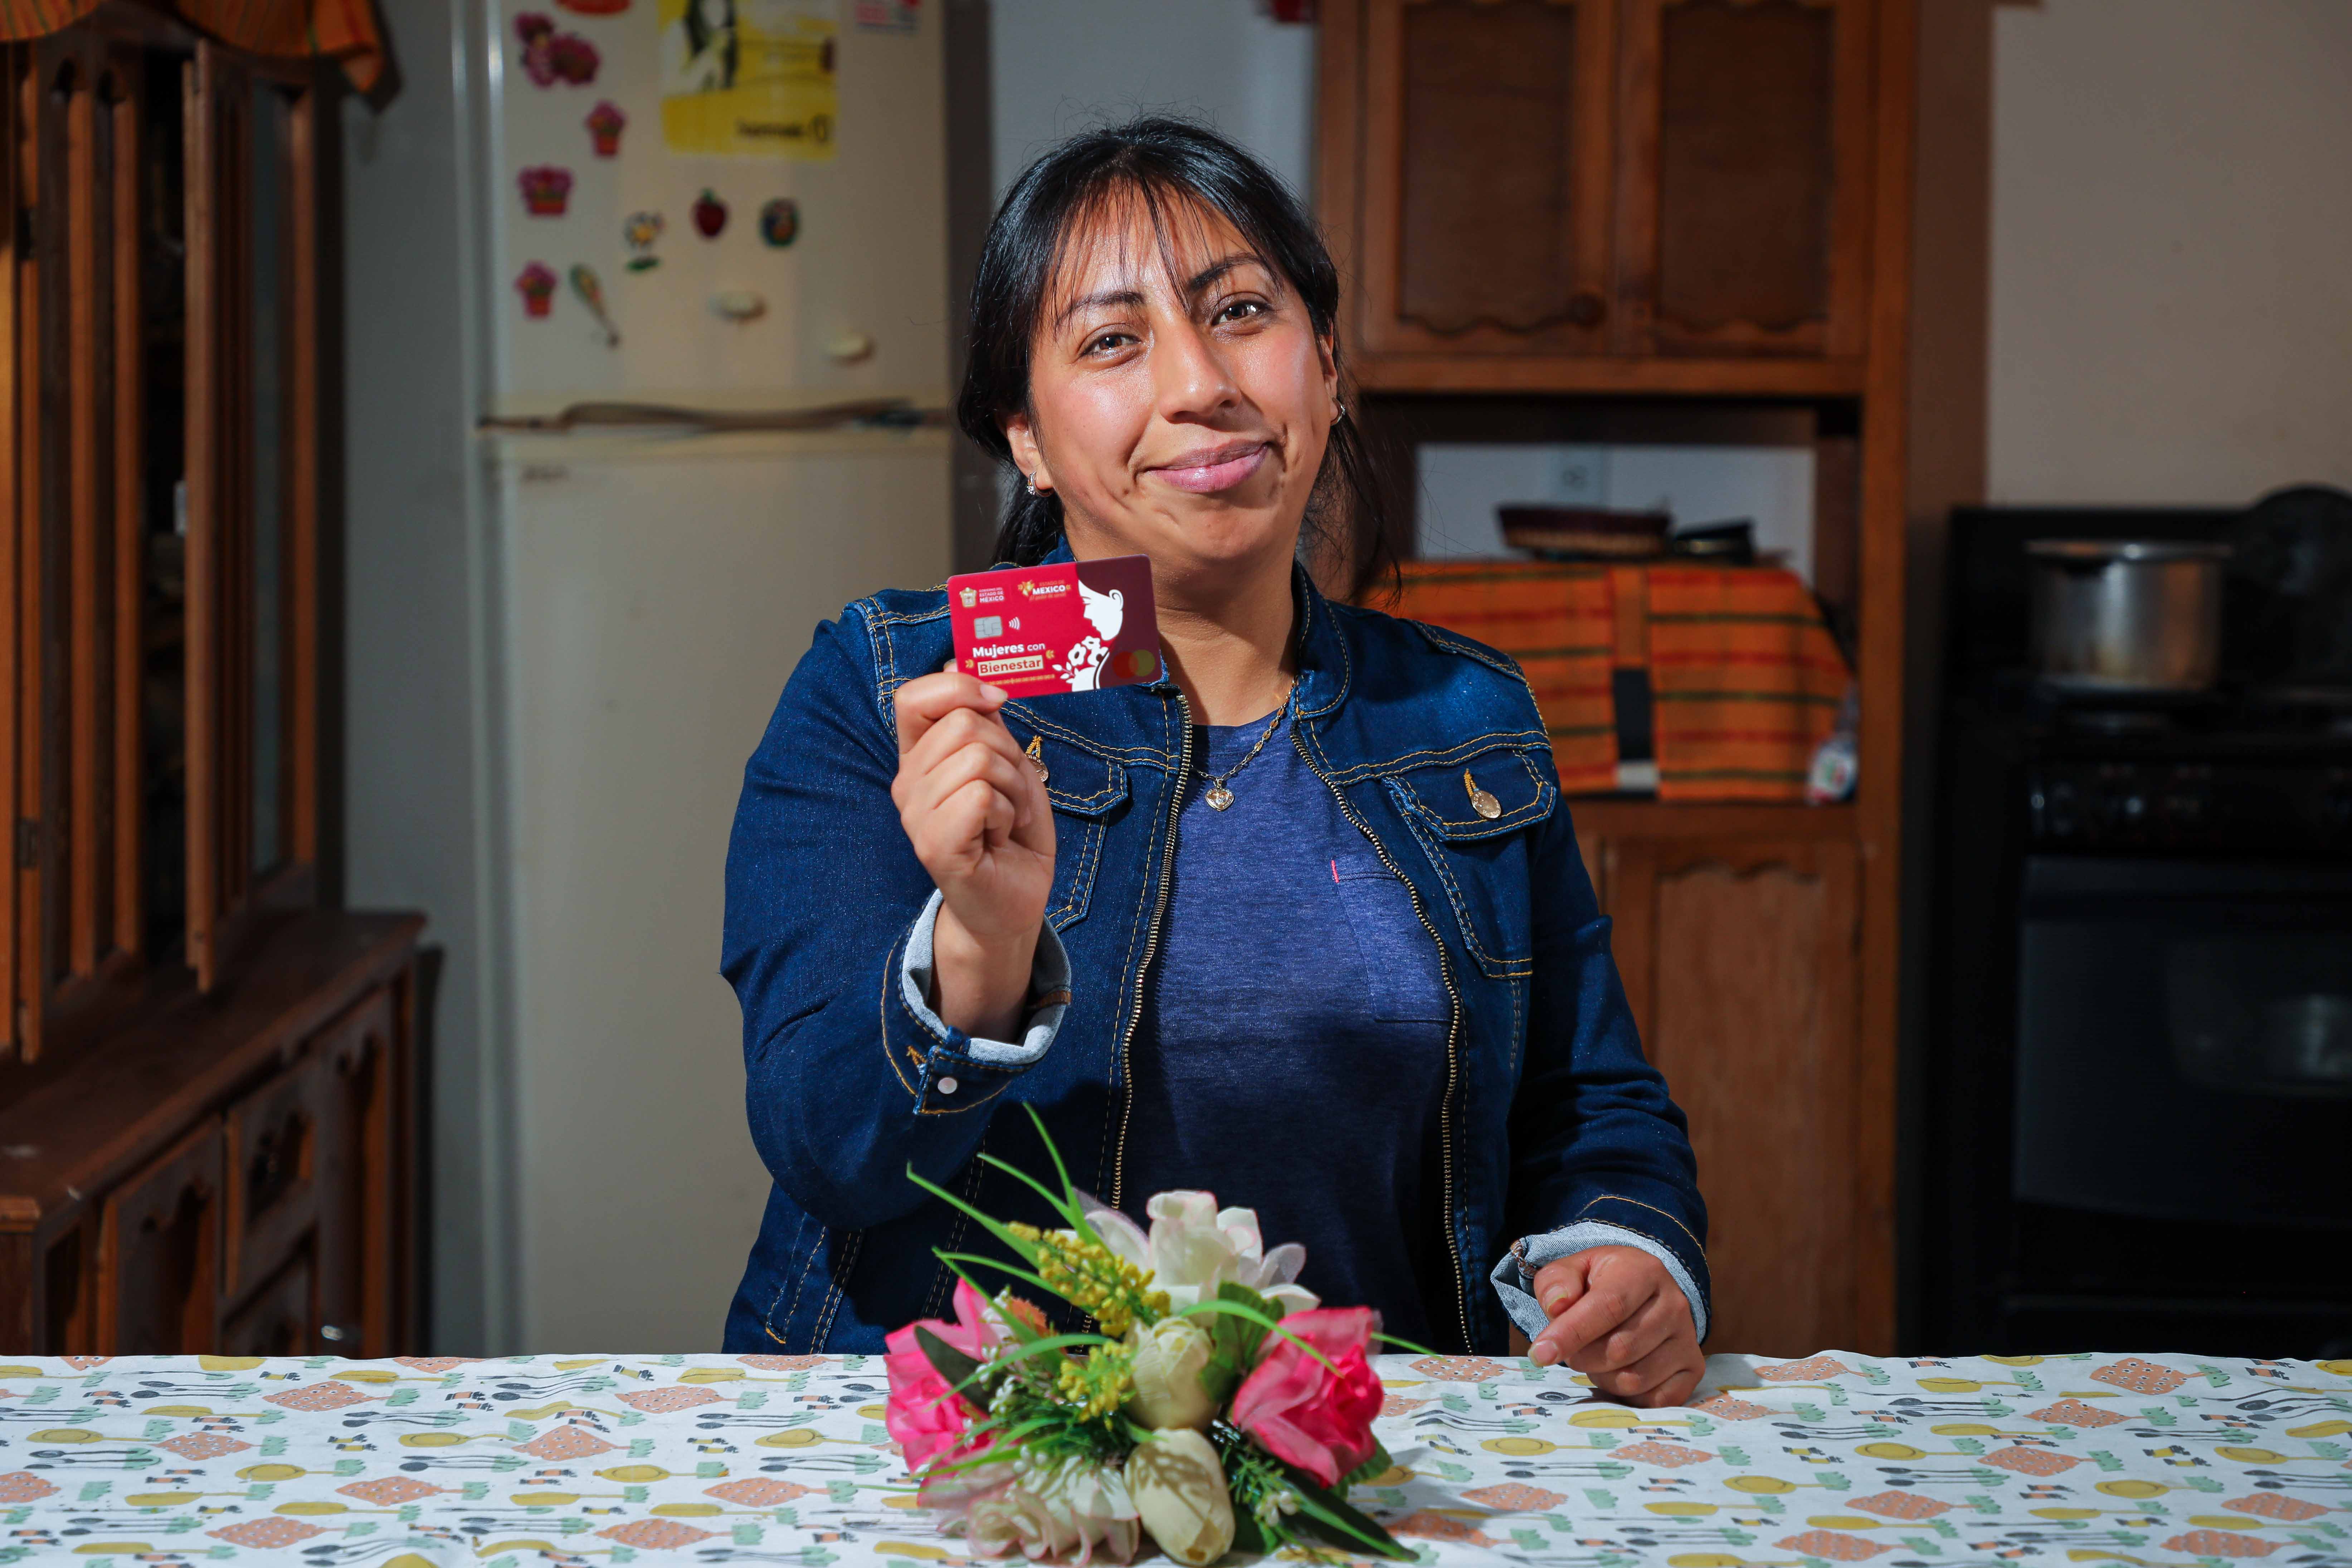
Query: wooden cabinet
1740	960
205	1117
222	1172
1601	194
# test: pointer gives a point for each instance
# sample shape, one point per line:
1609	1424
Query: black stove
2133	1099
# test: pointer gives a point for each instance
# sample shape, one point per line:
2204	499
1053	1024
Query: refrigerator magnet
591	290
549	57
639	232
606	122
546	190
595	7
710	214
737	305
536	284
780	221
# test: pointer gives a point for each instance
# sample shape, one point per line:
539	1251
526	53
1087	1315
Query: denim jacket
1556	1135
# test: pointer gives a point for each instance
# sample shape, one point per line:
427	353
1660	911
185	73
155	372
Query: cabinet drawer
272	1150
159	1268
281	1319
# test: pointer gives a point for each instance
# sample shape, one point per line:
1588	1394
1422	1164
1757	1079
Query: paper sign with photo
752	77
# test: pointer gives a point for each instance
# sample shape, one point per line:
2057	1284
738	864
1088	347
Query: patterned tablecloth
782	1459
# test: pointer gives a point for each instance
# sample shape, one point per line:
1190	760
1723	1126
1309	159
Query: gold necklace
1218	797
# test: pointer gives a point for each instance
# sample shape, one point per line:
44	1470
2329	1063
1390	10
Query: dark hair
1167	164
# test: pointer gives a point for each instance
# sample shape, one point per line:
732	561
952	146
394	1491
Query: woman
1301	923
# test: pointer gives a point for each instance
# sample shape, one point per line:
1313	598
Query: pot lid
2126	549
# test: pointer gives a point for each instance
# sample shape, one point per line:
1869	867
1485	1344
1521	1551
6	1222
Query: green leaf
1247	1536
1344	1524
950	1362
1026	1250
1378	1464
1068	1203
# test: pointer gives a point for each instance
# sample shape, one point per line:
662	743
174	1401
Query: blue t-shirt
1291	1055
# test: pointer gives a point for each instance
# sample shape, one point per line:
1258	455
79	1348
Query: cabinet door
158	1267
73	577
271	1149
359	1264
1739	959
1485	176
1744	177
252	225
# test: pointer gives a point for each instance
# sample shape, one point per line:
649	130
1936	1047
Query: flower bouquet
1219	1406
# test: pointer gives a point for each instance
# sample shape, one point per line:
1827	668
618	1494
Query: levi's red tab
1078	626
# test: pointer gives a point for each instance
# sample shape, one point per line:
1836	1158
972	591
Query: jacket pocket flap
1490	795
1077	782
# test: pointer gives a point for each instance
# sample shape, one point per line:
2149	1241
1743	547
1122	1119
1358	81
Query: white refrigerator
756	190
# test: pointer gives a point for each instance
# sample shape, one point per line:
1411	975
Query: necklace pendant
1219	797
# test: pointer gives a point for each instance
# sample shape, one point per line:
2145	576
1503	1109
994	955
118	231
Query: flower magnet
536	284
546	190
639	232
605	123
549	57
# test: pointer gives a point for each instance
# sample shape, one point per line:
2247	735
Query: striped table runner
1745	682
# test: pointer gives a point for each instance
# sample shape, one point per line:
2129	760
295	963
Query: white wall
2171	249
415	781
1061	66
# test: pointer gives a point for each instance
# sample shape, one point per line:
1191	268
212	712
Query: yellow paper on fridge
750	78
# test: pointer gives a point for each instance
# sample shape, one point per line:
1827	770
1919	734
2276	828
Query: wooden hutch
1693	221
207	1101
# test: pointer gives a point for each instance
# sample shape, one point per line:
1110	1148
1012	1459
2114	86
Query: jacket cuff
1514	1276
959	1069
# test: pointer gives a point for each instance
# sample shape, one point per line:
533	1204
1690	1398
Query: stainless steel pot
2126	615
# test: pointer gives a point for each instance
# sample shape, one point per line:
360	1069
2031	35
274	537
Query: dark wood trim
300	401
1879	799
129	426
16	358
207	436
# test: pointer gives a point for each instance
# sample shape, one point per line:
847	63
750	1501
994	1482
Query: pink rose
927	1416
1305	1412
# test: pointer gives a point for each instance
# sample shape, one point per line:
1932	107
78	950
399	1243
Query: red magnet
537	285
710	214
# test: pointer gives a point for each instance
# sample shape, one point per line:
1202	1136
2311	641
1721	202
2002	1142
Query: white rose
1169	1357
1056	1507
1193	1247
1179	1488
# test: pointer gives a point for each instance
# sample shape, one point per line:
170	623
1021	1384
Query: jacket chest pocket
1469	819
1086	791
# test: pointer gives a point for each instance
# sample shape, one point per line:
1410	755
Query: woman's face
1179	400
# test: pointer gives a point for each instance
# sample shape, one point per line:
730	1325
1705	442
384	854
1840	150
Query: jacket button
945	1085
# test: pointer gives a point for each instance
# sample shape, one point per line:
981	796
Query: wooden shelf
1757	377
1640	816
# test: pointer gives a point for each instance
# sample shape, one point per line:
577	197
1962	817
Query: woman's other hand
1618	1317
976	813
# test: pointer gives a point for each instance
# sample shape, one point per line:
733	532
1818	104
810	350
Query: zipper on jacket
1150	946
1452	1033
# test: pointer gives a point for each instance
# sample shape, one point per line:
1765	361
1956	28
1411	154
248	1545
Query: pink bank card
1081	625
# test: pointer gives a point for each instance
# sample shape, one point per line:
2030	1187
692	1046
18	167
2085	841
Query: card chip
988	627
